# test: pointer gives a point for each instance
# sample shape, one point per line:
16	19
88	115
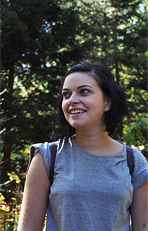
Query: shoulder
140	173
45	151
140	161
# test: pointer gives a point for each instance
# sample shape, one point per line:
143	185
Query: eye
84	91
65	94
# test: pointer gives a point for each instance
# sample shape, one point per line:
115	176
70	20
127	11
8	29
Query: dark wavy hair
103	76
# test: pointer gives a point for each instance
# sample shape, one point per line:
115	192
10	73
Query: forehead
79	78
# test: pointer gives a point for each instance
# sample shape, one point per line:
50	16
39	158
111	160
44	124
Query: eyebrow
85	85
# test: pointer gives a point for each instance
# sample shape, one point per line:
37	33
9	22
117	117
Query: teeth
76	111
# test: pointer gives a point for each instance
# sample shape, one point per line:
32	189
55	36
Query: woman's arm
139	209
35	199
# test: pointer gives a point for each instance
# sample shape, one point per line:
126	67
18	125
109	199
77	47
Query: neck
93	142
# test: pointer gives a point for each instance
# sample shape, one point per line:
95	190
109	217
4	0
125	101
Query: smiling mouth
77	111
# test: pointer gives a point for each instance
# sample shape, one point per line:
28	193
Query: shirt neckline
99	156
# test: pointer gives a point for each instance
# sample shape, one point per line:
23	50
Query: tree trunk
11	76
7	150
115	42
6	159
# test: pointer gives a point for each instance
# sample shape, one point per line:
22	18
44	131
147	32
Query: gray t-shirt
90	192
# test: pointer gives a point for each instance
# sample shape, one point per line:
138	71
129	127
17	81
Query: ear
108	104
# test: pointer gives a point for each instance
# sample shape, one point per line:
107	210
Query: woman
92	187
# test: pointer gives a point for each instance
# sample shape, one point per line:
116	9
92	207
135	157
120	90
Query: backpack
53	146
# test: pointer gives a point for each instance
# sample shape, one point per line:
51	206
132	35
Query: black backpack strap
53	148
130	159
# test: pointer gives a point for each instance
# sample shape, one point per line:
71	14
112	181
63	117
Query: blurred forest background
40	40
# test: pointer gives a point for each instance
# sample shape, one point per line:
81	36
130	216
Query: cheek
63	106
98	109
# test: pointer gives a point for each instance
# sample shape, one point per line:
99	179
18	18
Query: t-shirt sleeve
44	149
140	174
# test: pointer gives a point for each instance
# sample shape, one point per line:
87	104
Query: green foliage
40	40
10	209
135	132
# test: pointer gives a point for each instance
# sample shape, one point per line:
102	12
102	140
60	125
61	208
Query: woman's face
83	102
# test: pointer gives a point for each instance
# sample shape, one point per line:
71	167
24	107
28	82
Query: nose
73	99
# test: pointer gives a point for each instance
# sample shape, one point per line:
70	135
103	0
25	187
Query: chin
77	126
